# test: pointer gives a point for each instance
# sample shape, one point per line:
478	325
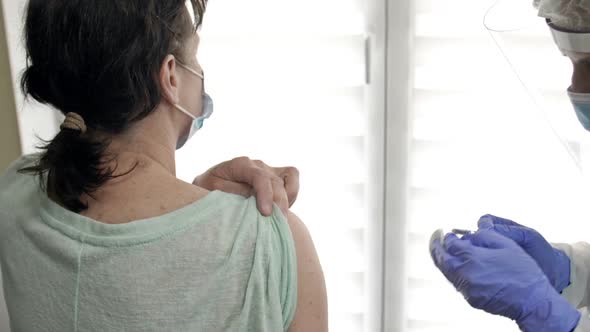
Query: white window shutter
288	82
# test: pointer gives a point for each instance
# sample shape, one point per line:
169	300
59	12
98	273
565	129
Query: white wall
9	138
16	116
33	119
10	147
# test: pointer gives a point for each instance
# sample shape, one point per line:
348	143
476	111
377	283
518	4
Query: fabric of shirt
578	292
214	265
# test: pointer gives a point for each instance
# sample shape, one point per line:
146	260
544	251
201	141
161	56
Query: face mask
581	102
197	121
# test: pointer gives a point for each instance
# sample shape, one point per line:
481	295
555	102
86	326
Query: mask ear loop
201	76
183	110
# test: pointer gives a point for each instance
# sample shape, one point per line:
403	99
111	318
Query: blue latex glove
494	274
553	262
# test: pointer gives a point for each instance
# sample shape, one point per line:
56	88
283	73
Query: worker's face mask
207	109
581	103
576	46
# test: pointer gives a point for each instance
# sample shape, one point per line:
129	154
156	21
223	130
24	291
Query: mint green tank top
214	265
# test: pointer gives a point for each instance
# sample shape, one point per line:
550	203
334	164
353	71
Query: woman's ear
169	80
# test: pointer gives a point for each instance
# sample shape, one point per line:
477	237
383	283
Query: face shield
539	54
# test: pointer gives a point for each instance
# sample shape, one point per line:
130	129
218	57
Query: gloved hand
494	274
554	262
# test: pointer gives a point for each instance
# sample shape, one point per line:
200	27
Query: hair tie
74	121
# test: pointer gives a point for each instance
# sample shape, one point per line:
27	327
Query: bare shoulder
297	226
141	197
312	299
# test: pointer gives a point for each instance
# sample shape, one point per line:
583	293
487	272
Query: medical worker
511	270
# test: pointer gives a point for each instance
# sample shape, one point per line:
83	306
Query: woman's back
149	191
96	233
215	264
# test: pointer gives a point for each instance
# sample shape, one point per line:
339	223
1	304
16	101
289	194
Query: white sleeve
584	324
577	293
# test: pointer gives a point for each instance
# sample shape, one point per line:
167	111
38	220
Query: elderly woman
98	234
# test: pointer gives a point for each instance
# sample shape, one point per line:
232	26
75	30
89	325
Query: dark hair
100	59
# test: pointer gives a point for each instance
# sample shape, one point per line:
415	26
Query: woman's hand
242	176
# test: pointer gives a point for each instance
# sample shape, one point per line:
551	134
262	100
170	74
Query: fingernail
268	210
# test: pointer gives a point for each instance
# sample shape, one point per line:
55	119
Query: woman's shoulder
18	192
21	162
12	182
141	197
